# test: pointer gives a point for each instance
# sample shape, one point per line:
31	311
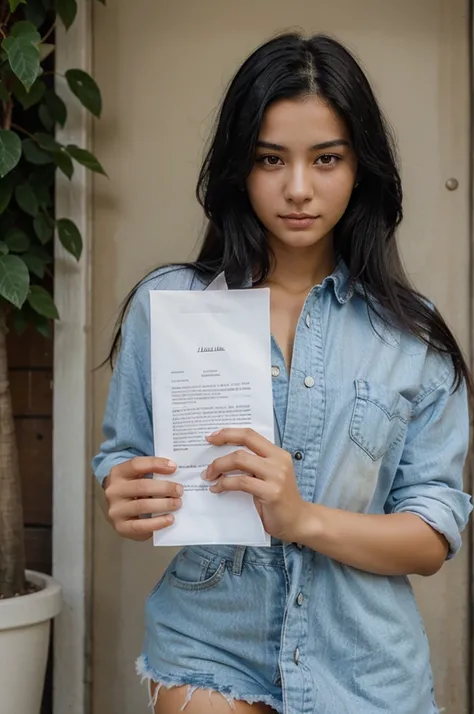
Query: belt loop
238	559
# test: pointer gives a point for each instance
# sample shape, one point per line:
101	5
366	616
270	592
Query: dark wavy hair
290	66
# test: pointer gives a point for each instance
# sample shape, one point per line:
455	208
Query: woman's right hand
130	495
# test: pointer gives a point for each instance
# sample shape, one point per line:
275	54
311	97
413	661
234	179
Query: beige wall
162	67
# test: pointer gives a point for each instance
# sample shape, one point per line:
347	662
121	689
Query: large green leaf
23	57
14	4
10	151
86	90
35	12
14	280
29	99
85	158
47	142
42	302
35	265
33	154
64	162
44	227
45	117
70	236
67	10
3	248
26	199
56	107
6	191
27	31
42	325
17	241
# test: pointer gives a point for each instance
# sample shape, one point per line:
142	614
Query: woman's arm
393	544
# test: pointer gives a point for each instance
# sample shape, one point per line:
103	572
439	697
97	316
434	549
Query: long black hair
290	66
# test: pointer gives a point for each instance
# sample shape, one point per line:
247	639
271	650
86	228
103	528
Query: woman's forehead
303	120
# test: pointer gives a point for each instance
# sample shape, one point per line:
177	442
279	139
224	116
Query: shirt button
300	599
308	320
275	371
297	655
309	381
298	455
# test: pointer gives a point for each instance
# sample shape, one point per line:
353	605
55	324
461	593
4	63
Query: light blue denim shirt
369	416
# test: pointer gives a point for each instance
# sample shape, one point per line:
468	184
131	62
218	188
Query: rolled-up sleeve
429	480
127	424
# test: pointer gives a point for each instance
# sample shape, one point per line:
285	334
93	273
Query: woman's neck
297	270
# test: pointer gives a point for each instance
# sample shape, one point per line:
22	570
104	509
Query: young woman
364	486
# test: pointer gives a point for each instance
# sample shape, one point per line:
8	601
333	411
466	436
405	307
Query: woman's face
304	167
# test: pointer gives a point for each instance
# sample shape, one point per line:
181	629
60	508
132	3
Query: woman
364	484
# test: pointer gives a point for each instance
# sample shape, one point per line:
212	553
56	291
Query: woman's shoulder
172	277
169	277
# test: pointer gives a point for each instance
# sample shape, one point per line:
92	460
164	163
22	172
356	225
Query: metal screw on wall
452	184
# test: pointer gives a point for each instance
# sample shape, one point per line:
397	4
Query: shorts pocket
379	419
195	570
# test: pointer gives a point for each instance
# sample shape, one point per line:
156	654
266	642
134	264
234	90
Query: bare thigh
170	701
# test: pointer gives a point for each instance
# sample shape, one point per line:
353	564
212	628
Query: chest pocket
380	418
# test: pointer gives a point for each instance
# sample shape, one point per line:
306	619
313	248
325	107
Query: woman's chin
301	239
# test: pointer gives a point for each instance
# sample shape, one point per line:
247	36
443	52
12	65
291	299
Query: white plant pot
25	623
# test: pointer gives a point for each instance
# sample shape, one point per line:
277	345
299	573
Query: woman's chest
343	410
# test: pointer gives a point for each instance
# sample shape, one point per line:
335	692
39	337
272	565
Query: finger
243	482
239	461
146	488
145	526
143	506
242	437
143	465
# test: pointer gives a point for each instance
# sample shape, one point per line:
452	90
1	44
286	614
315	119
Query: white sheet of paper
210	368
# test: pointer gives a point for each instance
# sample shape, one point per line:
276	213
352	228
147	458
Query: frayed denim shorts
214	621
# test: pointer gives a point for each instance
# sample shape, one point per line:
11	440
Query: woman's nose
299	187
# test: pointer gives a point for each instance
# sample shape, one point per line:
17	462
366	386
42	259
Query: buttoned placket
301	436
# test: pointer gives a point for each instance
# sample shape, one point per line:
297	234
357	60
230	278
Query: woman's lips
300	223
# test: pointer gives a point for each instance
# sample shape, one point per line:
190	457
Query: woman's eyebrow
316	147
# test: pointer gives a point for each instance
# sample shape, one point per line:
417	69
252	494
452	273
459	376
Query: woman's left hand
268	476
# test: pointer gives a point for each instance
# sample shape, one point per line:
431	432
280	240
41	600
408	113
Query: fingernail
204	474
180	489
214	433
171	464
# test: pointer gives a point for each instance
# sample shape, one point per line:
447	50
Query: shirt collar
340	280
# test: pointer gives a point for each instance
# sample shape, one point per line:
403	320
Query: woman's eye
269	160
328	160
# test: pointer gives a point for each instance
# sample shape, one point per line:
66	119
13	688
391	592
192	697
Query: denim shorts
214	621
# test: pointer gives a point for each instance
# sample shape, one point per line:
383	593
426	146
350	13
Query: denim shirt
370	417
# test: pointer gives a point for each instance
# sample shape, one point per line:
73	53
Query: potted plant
30	155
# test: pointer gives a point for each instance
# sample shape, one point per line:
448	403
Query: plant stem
50	31
12	548
24	131
7	114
